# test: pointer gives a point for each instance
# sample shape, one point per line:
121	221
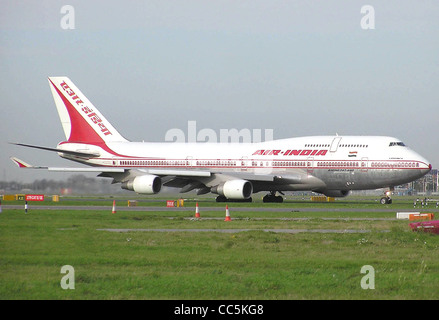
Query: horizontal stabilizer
22	164
73	153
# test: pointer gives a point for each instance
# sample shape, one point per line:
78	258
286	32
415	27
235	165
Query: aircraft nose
427	170
421	166
424	165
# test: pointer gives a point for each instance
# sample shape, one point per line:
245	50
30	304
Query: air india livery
331	165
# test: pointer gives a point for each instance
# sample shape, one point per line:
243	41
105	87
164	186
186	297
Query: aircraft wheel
386	200
221	199
270	198
267	198
224	199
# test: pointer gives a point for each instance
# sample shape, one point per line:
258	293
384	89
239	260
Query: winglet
21	163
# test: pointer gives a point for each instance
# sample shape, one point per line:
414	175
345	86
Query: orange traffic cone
114	207
197	211
227	214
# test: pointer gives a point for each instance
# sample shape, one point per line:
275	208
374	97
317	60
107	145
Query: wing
201	180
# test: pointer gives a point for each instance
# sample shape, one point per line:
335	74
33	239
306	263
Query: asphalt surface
178	209
215	209
291	231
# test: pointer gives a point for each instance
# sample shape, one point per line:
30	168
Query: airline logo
86	110
305	152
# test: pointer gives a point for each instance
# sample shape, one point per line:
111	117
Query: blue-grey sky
297	67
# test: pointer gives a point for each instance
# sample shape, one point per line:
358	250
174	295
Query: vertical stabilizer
81	120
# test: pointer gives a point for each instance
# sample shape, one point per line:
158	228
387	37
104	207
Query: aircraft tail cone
114	207
197	211
227	214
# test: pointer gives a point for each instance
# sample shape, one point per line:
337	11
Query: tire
221	199
385	200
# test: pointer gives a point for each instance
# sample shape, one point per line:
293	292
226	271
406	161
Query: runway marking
240	210
288	219
290	231
157	209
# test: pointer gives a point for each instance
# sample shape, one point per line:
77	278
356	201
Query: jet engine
234	189
336	193
146	184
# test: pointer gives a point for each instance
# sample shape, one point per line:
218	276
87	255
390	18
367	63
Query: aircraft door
310	165
334	144
189	161
244	163
364	163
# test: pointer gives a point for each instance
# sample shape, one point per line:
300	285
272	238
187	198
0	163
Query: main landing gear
271	197
224	199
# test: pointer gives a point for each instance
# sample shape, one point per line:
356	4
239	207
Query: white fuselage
334	162
331	165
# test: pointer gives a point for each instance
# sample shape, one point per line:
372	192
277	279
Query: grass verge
212	265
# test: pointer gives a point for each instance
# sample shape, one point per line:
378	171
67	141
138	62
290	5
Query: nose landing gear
387	198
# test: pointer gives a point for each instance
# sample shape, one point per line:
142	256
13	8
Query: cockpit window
392	144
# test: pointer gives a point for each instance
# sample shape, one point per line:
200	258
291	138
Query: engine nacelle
336	193
146	184
234	189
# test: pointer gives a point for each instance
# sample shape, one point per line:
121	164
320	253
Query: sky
299	68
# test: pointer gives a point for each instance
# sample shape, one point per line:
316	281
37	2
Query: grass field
212	265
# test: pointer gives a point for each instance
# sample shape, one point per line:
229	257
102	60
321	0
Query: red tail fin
81	120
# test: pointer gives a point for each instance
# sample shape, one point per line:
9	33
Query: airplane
330	165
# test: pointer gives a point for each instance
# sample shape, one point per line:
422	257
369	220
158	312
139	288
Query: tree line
77	184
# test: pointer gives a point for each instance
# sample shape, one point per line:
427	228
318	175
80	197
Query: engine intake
234	189
146	184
